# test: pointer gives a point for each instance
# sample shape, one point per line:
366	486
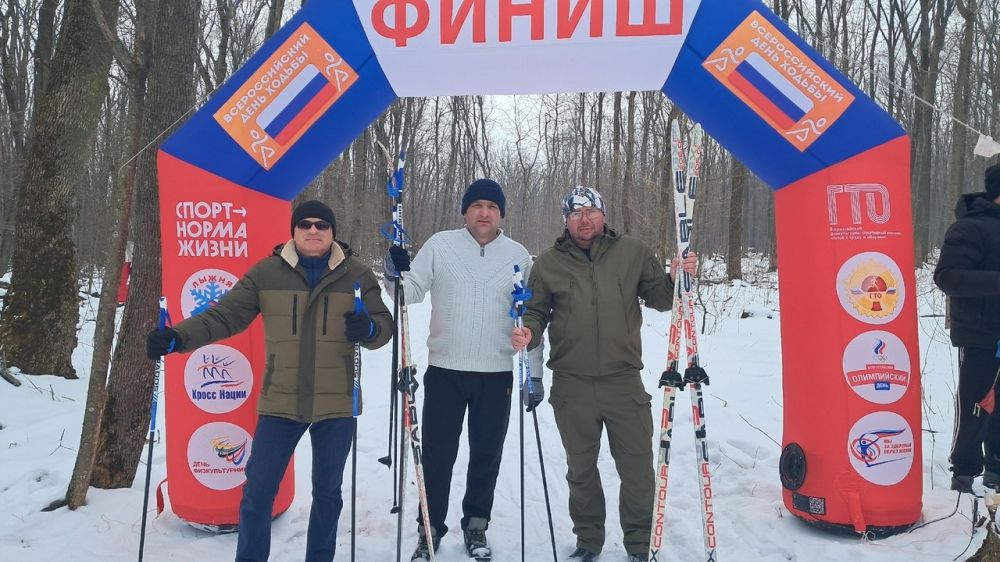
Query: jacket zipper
295	314
597	316
326	305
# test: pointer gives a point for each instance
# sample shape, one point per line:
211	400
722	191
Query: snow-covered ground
40	426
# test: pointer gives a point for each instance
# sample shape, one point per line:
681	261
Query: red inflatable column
213	231
851	443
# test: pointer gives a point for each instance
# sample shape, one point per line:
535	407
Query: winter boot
475	540
422	553
584	555
962	484
991	480
642	557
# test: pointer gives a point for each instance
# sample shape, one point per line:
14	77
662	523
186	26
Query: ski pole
359	307
545	484
522	294
407	379
164	322
392	231
517	306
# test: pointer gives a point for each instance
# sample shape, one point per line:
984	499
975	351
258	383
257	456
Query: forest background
89	88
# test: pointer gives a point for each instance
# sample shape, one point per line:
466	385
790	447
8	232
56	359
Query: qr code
817	506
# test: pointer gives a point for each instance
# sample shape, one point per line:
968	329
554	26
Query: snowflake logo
206	298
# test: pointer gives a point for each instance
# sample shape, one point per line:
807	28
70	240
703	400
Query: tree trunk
960	102
628	178
274	17
734	255
38	328
170	95
104	330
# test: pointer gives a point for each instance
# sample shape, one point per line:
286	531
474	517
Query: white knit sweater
470	288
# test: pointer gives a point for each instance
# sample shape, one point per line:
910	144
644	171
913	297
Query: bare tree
734	257
38	327
960	100
136	65
170	96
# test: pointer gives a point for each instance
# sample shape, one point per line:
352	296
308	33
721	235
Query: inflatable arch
838	163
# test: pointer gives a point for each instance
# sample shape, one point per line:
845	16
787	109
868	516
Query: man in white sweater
467	273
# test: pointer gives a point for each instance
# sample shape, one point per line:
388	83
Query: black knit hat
487	190
316	210
991	179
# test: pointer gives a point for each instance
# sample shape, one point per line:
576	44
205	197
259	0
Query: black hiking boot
584	555
422	553
475	540
962	484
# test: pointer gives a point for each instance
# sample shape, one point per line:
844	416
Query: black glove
358	327
534	398
160	342
400	258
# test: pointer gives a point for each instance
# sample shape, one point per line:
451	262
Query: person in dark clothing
968	271
304	292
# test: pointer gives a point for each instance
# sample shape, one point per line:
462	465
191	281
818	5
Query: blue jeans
273	444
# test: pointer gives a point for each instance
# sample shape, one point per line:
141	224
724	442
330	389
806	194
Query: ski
670	380
686	163
407	375
694	375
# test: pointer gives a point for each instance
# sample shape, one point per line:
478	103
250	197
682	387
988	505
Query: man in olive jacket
586	290
968	271
305	295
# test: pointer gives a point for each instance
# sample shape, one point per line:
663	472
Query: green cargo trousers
583	406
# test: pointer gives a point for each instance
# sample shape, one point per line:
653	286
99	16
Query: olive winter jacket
310	366
591	304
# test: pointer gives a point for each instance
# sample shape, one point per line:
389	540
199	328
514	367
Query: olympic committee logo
877	366
870	288
218	453
881	448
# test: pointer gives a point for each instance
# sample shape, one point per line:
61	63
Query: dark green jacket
310	364
591	305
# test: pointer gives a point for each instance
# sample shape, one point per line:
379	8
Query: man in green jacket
586	290
304	292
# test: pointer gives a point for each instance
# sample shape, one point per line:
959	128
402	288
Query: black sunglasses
306	224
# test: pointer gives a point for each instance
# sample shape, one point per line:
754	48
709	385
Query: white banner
462	47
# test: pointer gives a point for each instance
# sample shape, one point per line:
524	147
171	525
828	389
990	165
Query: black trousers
447	395
978	374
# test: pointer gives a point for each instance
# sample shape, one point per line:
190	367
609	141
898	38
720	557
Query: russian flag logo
772	93
296	106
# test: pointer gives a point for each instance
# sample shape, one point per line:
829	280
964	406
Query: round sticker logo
881	448
218	453
218	378
203	290
870	288
877	366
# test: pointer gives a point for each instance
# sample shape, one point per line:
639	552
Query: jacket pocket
637	441
295	314
268	373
